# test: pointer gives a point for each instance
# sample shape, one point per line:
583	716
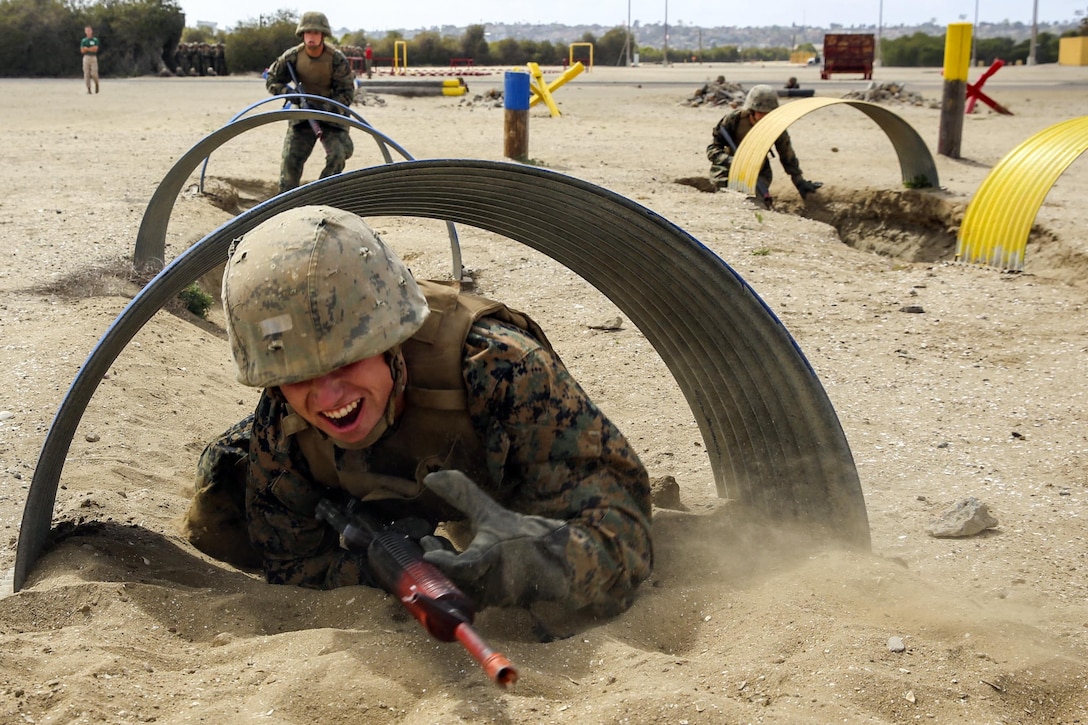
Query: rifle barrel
501	670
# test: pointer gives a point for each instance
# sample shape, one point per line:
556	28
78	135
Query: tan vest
434	432
315	74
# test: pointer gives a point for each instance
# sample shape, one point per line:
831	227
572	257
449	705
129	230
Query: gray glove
513	560
806	187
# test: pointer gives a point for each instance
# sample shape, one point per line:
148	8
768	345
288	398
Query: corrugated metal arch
915	160
998	219
772	437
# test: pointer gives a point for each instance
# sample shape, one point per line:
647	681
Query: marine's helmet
761	98
315	21
313	289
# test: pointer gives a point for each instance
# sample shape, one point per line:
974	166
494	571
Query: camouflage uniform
525	431
219	59
738	123
316	79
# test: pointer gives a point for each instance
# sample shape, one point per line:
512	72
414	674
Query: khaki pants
90	71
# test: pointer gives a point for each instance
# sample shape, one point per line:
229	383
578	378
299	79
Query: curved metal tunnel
150	249
772	436
915	161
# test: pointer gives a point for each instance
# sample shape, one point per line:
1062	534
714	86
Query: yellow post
400	50
957	61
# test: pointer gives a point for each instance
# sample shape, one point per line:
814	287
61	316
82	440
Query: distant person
88	47
320	70
792	83
368	56
732	129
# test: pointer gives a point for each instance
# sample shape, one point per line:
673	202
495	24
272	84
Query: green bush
196	300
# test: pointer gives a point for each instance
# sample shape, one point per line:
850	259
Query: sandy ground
980	395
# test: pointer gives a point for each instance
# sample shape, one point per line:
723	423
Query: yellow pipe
998	219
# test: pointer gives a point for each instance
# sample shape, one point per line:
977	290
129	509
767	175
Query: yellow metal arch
998	219
915	160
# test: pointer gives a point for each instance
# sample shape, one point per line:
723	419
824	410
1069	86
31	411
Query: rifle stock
397	562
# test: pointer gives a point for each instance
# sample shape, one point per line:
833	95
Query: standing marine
320	70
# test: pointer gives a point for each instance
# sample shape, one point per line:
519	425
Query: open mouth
345	416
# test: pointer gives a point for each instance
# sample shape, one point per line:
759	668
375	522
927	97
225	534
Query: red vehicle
848	53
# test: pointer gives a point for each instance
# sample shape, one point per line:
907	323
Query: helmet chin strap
399	372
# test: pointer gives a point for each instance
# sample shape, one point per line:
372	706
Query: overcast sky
381	16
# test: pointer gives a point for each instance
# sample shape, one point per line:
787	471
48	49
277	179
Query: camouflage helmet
313	289
315	21
762	99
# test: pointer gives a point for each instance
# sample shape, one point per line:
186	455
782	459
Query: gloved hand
513	559
806	187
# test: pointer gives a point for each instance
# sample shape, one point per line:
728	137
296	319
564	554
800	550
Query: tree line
40	38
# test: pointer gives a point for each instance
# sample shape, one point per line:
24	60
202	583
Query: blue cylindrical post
515	101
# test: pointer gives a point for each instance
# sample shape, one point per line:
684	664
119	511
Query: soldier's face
313	39
347	403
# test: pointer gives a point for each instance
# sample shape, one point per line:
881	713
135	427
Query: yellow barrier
400	54
543	91
915	161
581	45
998	219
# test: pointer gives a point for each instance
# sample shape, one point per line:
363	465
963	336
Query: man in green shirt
88	46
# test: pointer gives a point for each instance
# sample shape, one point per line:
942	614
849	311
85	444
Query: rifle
396	560
314	125
761	188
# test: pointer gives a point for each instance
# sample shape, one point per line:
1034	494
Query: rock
665	493
967	518
895	644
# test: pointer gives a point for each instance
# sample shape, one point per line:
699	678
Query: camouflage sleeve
343	79
278	77
554	453
297	549
719	152
788	158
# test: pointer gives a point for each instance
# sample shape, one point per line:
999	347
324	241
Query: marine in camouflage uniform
322	71
761	100
488	419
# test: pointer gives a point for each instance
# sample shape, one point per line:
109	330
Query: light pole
974	38
628	44
665	55
1034	32
879	33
